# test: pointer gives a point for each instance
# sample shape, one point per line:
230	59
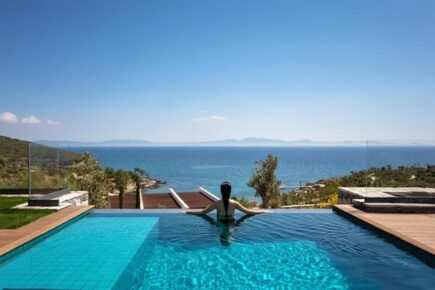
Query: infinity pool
295	250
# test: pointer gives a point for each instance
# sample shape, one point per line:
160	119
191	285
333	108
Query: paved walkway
415	229
13	238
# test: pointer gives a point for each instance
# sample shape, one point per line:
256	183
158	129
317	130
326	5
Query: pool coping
424	252
45	225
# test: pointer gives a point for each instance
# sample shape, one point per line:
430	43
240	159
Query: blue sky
205	70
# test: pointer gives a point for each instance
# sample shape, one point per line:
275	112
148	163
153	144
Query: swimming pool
135	250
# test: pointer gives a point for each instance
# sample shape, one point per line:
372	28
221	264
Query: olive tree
87	175
265	183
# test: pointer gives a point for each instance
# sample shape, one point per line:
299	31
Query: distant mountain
251	141
242	142
326	143
274	142
108	143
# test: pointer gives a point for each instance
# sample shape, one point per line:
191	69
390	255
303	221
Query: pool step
400	205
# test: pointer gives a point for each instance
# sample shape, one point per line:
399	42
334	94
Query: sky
166	71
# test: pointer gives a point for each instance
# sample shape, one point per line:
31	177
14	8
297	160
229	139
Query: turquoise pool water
131	250
90	253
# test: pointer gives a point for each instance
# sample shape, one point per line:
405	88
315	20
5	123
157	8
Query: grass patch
8	202
11	218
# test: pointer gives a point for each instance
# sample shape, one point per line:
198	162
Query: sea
188	168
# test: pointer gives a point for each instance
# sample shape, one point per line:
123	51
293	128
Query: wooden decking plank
11	239
129	200
159	200
195	200
415	229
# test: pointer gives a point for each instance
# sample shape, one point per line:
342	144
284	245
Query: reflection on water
305	249
227	227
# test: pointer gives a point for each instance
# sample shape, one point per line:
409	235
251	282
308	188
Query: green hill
13	149
47	164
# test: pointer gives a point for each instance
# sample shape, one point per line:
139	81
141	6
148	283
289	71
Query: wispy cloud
53	123
8	117
213	118
30	120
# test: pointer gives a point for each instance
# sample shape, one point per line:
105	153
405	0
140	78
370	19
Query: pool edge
22	244
403	242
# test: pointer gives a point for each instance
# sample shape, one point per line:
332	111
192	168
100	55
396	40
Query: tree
137	175
121	183
87	175
110	172
110	175
140	171
265	183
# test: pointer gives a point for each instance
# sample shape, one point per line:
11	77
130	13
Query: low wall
25	191
59	197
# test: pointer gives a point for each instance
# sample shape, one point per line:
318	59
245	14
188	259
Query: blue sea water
187	168
314	249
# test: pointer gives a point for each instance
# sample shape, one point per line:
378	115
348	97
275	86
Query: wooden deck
159	200
129	200
417	230
150	200
194	200
11	239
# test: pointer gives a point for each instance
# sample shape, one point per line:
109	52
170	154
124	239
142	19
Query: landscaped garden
12	218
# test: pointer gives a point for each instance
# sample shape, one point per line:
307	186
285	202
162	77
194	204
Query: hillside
13	149
14	163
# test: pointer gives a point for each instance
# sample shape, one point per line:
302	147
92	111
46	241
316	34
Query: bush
246	202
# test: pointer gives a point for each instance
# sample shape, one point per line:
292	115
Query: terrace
411	232
149	237
389	199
